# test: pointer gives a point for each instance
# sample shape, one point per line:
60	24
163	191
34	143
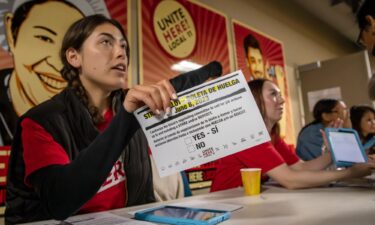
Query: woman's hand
337	123
361	169
371	158
156	96
325	146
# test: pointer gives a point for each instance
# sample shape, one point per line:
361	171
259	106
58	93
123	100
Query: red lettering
173	32
118	170
178	28
167	36
184	25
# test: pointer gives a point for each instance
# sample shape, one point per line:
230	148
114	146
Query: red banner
179	36
261	56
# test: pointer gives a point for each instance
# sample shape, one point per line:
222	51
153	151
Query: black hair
362	10
356	114
251	41
325	105
22	13
74	38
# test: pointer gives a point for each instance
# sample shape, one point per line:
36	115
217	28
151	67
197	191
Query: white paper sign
208	122
314	96
101	218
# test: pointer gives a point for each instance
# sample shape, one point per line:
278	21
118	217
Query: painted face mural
35	50
30	37
255	61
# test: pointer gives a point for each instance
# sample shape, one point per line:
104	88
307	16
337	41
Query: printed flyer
207	122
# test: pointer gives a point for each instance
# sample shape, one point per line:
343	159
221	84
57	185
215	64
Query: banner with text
179	36
207	122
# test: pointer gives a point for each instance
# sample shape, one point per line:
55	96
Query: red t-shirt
265	156
41	150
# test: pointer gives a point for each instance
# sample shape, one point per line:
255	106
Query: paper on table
102	218
208	122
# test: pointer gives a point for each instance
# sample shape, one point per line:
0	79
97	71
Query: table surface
276	205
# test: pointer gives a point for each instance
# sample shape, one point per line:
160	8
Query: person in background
275	158
365	14
325	112
254	57
363	121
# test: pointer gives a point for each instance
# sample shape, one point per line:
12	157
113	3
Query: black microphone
195	77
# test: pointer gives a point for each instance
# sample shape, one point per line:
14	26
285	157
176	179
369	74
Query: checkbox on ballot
188	141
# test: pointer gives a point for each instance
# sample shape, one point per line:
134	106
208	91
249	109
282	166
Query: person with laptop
363	121
275	158
326	111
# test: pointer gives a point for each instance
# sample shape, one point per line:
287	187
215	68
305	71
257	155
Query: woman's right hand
156	96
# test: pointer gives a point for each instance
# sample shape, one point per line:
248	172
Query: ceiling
339	16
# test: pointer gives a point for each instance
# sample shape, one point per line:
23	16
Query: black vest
69	122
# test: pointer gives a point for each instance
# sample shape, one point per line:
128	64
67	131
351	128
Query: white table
278	206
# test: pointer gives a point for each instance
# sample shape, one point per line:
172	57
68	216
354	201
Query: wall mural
30	36
261	56
179	36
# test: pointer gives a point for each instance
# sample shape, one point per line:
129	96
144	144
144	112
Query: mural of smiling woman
34	33
36	76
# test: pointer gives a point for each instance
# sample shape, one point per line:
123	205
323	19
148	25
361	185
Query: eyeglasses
335	111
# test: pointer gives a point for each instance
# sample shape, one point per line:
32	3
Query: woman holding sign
66	156
81	151
275	158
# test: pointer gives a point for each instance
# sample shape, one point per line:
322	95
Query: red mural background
116	11
212	41
273	57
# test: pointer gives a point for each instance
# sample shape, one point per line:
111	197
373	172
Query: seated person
82	150
363	121
170	187
275	158
310	141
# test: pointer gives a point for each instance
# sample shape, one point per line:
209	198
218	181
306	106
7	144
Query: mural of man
259	68
34	32
254	58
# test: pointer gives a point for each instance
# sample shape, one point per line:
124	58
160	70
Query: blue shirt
310	141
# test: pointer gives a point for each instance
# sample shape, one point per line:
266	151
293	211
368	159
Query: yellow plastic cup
251	180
